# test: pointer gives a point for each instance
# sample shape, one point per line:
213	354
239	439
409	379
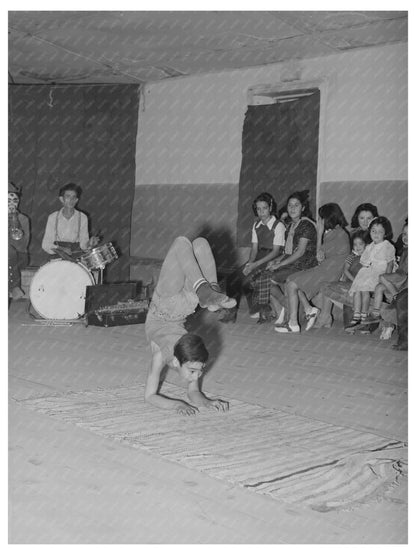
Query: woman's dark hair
268	199
332	215
388	230
190	348
366	207
70	187
361	234
303	198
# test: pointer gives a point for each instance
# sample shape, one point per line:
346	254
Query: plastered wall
189	134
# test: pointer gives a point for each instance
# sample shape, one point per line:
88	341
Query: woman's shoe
372	319
265	315
311	318
353	325
287	328
281	317
386	333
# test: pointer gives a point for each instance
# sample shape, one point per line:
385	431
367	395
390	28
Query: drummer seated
67	228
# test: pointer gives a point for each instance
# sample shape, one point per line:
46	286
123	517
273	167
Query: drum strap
79	226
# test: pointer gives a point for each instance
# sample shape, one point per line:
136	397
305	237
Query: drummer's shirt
67	230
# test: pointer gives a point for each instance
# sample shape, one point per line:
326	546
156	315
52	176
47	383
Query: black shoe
265	315
352	326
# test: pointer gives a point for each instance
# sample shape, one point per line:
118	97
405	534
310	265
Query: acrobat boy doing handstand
188	277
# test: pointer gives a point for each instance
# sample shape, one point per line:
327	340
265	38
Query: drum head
58	288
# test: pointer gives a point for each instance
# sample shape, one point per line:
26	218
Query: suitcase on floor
116	304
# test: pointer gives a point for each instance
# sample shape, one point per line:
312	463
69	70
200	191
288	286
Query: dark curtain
80	134
279	155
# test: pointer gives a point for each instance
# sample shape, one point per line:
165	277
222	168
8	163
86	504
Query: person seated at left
67	229
19	237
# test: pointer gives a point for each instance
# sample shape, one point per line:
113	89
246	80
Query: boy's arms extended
151	394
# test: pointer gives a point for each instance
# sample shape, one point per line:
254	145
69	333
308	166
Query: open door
279	152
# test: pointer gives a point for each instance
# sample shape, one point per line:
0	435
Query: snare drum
57	290
99	257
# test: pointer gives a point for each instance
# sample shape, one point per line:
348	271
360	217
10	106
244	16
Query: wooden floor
68	485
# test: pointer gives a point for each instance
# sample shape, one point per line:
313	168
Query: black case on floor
116	304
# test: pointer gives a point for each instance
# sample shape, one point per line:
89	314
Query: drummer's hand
93	242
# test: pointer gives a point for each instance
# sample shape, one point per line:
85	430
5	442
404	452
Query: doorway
279	152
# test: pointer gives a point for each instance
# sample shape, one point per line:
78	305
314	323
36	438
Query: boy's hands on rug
217	404
185	409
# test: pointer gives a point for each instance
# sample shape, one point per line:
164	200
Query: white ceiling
137	47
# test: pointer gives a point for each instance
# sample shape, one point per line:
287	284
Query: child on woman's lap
377	259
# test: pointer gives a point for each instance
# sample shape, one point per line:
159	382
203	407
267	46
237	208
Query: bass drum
58	289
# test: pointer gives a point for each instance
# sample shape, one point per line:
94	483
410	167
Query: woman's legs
305	302
311	312
325	316
388	286
277	299
292	326
378	297
326	311
292	294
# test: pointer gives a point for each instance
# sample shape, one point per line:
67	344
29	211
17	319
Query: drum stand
98	274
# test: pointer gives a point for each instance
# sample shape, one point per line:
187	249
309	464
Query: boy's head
190	356
69	195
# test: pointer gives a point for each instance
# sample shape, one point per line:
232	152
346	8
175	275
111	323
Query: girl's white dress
374	259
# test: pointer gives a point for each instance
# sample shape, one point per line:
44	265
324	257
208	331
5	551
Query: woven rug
288	457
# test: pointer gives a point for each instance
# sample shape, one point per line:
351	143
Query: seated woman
19	237
334	291
337	291
305	285
299	254
267	240
362	217
390	286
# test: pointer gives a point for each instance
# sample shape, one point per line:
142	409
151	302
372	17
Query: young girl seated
390	284
377	258
352	263
267	242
